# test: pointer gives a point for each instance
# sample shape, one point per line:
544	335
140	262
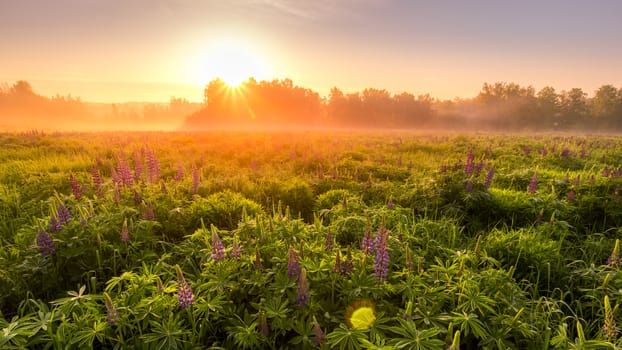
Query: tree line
501	105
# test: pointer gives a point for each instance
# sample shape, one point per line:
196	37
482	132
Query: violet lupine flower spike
112	314
302	291
75	187
218	249
293	266
468	167
491	174
330	241
125	232
381	264
45	243
184	293
236	250
320	337
62	214
533	184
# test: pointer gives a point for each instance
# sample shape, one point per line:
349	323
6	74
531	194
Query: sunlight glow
231	60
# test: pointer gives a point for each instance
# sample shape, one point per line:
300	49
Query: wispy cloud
317	9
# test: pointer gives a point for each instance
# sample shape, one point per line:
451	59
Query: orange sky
150	50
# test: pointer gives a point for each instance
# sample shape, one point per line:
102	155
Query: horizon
118	51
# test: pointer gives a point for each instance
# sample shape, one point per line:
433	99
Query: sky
152	50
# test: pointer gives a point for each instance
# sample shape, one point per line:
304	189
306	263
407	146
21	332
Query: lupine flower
112	314
319	336
302	291
45	243
606	172
577	180
124	172
63	215
153	166
138	166
381	264
184	293
293	265
565	152
125	232
180	172
195	179
337	266
614	258
330	241
527	151
390	204
570	196
148	213
489	177
258	264
479	167
116	179
468	166
609	329
75	187
97	181
533	184
469	186
218	250
236	250
54	225
137	198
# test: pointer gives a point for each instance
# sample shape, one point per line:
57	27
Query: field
348	240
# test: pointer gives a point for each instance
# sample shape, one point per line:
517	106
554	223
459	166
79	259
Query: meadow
301	240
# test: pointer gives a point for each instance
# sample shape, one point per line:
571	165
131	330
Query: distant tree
606	105
548	106
574	107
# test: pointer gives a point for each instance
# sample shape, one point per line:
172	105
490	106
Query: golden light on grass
360	314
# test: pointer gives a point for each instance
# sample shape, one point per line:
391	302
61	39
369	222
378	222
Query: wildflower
337	266
45	243
218	250
390	204
347	266
236	251
75	187
148	213
138	166
195	179
468	166
180	172
330	241
606	172
153	166
570	196
97	181
125	233
360	315
491	174
63	215
614	258
302	291
366	243
381	264
469	186
293	266
124	172
609	330
184	293
479	167
320	337
54	225
112	314
137	198
565	152
533	184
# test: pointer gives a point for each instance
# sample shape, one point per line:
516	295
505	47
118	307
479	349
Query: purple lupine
533	184
148	213
606	172
293	265
347	265
153	166
116	179
54	225
469	186
180	172
390	204
112	314
302	291
330	241
124	172
468	166
570	196
138	166
489	177
195	179
45	243
565	152
319	336
218	249
337	265
184	293
63	215
75	187
381	264
98	182
236	250
125	232
527	150
138	199
479	167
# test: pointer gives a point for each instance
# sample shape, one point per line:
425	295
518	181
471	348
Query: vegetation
310	240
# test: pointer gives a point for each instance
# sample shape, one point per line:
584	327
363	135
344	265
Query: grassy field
349	240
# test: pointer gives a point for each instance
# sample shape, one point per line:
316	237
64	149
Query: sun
233	61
